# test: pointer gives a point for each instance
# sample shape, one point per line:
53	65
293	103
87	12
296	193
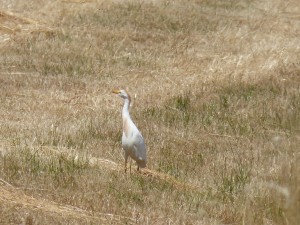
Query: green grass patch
61	168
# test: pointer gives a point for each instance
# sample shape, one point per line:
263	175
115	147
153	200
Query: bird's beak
116	91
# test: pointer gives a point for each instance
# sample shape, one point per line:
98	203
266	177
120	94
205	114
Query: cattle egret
132	140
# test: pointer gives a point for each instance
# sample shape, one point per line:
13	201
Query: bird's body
132	140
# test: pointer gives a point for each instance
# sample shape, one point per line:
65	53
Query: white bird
132	140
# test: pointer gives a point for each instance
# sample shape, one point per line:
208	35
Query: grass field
216	94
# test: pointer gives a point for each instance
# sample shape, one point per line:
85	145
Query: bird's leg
126	158
130	166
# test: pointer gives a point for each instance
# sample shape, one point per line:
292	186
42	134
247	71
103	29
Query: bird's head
122	93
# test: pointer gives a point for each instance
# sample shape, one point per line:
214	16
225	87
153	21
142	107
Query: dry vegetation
216	90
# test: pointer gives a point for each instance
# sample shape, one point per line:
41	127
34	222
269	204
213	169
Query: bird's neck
125	111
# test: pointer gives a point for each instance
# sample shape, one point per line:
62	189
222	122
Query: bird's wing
140	147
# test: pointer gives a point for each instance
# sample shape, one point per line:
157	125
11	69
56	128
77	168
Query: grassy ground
216	94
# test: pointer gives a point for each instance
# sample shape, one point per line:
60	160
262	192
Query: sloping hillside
216	94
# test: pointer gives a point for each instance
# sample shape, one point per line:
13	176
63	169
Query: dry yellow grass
10	196
216	94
